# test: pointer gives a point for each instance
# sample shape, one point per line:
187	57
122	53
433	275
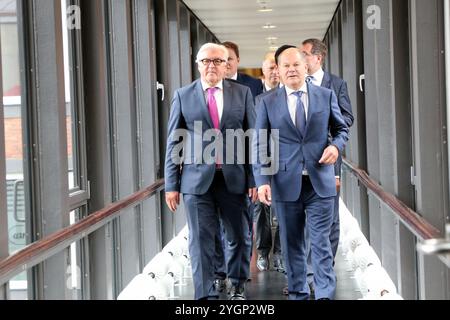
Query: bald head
270	71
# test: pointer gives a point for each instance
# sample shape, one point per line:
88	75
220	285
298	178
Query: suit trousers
334	232
202	213
220	266
293	223
335	227
263	235
222	249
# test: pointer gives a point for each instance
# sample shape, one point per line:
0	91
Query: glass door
14	133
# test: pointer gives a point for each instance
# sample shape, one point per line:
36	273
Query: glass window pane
74	270
71	116
14	131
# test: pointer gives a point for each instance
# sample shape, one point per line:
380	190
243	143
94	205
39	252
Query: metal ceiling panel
241	22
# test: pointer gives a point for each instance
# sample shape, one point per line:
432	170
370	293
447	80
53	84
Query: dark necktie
309	79
300	117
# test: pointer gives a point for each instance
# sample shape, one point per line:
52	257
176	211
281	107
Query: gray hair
212	46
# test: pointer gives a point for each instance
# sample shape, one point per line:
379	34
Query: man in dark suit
262	212
254	84
300	115
315	52
201	111
271	78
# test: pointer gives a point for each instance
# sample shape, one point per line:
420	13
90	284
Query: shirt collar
303	89
234	77
318	75
269	88
206	86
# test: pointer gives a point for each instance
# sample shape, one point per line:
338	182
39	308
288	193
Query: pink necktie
214	114
212	107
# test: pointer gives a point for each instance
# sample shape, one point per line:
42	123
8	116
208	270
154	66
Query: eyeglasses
217	62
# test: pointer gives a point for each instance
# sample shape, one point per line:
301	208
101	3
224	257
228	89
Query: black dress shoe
286	291
220	285
311	290
278	264
262	263
237	293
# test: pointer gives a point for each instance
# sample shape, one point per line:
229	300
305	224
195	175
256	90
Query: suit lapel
227	99
200	99
326	81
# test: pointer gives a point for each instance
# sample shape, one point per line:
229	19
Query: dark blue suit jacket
255	85
339	86
262	95
297	152
190	112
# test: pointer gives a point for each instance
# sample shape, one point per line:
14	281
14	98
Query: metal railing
420	227
52	244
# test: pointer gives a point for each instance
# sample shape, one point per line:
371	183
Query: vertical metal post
447	72
3	196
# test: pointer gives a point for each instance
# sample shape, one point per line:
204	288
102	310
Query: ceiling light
268	26
263	4
265	9
272	41
273	48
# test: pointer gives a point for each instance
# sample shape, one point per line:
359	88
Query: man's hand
330	155
265	194
173	200
253	194
338	184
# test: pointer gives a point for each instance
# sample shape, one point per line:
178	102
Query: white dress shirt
218	95
292	101
292	104
267	87
317	77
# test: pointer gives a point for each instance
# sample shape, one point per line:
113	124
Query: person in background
254	84
271	78
256	88
315	52
262	214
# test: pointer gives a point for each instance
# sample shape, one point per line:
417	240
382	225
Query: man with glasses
271	77
256	88
213	191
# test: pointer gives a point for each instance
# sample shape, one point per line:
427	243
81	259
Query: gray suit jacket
189	111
